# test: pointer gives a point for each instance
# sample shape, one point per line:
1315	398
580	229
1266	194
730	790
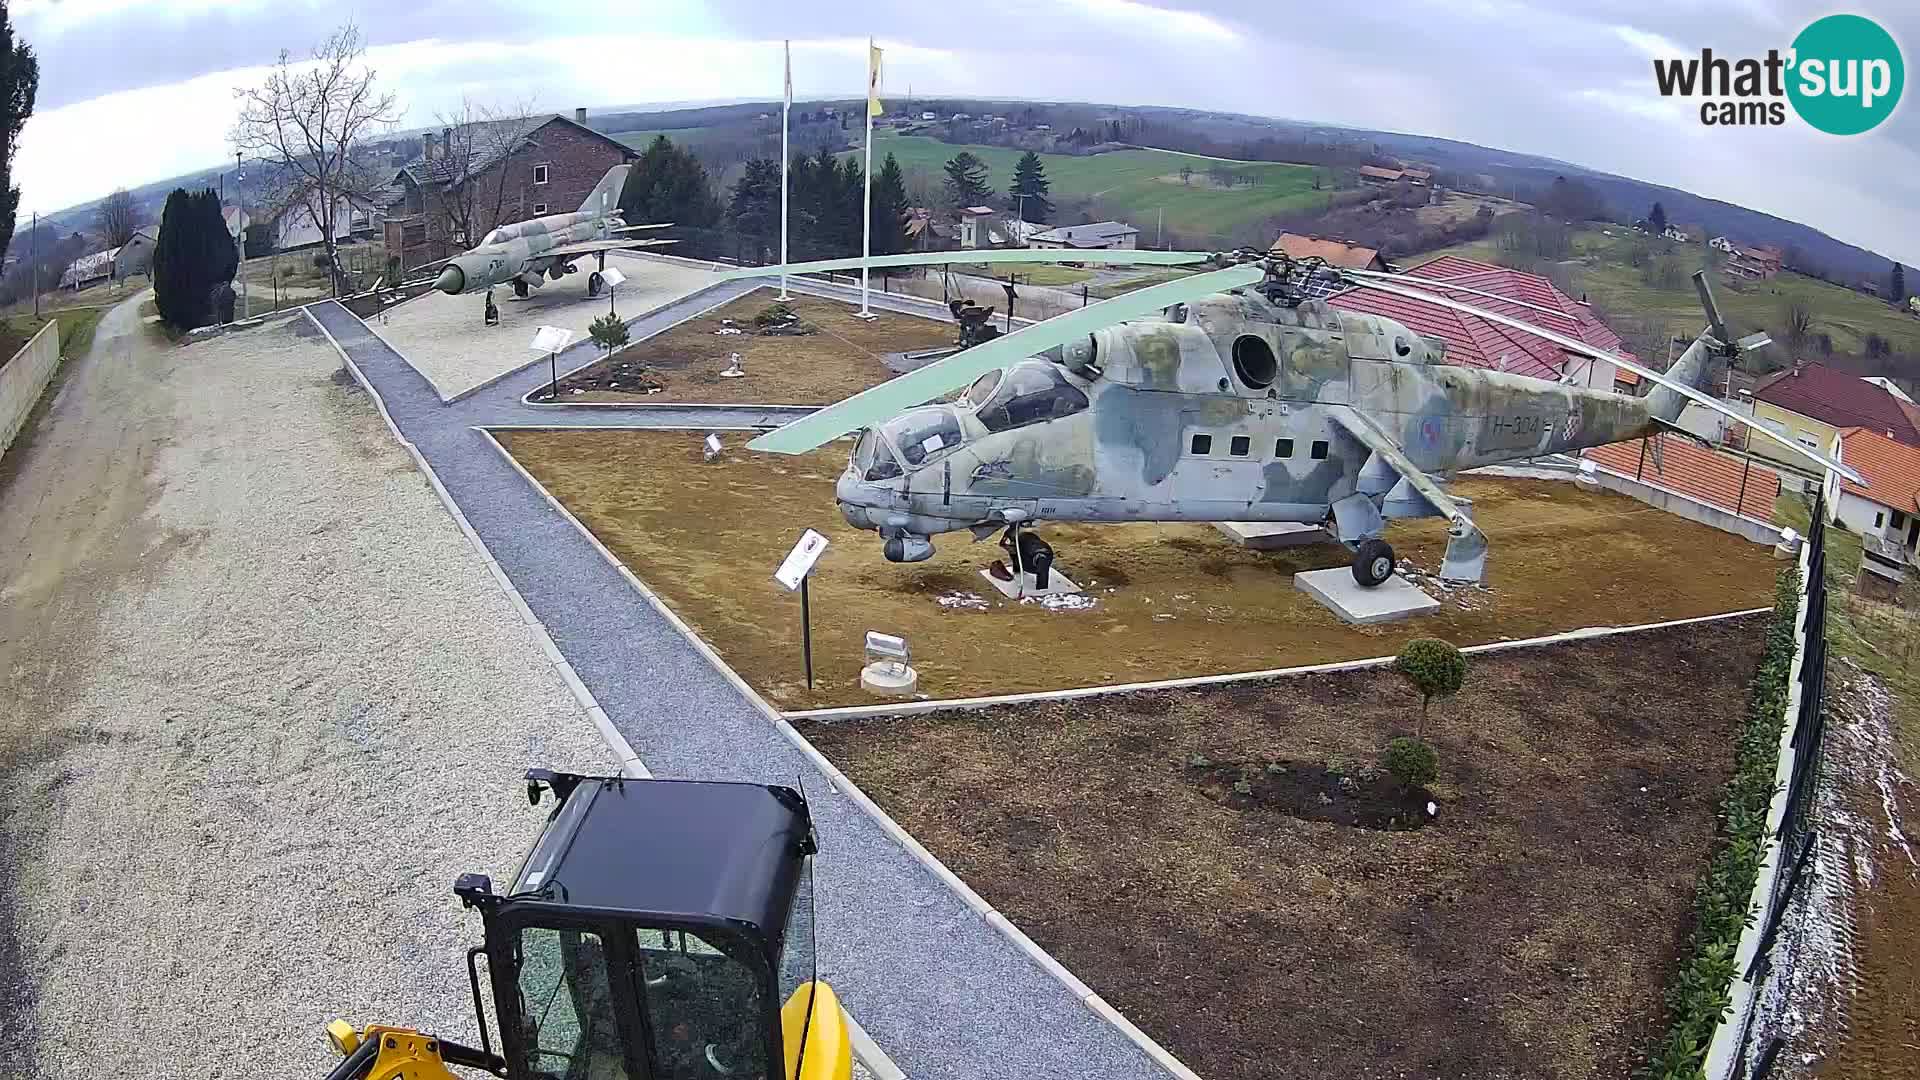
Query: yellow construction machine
657	930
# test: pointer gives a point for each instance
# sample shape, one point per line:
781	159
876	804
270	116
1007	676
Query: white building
1675	234
88	269
1721	244
136	255
1098	235
1889	506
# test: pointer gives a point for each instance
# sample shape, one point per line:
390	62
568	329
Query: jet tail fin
605	196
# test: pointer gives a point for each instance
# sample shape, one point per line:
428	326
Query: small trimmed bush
1411	762
1434	668
774	314
608	332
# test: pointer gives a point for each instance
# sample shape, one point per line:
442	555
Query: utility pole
1159	225
239	231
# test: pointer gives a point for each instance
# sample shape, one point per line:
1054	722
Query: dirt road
259	704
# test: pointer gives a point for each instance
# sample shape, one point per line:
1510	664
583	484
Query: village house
1339	253
1813	403
1477	342
136	255
985	227
1095	236
88	269
1887	507
1755	263
469	180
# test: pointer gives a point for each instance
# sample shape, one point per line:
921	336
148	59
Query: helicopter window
1032	391
1319	450
1283	448
924	433
1177	313
704	999
1239	446
982	389
497	236
1203	444
872	459
566	1006
1253	361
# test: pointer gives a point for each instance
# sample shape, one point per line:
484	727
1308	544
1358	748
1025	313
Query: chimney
580	117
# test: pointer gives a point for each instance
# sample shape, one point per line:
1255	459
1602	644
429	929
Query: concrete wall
24	378
1760	532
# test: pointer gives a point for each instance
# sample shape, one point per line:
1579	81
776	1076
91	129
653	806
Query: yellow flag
873	80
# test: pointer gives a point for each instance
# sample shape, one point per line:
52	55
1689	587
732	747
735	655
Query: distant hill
1502	170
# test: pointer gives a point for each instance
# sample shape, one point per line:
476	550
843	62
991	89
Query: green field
1600	269
1137	185
678	136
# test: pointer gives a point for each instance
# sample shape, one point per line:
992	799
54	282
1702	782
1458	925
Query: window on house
1319	449
1283	448
539	208
539	174
1899	520
1239	446
1879	519
1203	444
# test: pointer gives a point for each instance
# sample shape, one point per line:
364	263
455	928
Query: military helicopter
529	253
1237	394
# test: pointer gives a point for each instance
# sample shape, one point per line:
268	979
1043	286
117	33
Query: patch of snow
965	601
1062	601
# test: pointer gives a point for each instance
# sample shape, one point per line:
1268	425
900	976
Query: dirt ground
260	704
841	359
1169	600
1524	932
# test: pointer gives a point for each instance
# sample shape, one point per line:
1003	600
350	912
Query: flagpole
785	164
866	224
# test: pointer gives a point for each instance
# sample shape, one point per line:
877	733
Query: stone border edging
630	763
845	785
851	712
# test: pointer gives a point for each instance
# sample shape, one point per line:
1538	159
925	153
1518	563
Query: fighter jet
1237	394
530	253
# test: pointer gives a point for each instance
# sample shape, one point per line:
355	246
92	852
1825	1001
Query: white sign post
550	340
611	276
793	573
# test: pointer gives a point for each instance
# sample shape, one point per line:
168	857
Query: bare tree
1799	322
467	192
117	218
307	119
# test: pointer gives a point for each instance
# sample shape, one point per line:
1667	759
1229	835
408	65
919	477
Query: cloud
1571	82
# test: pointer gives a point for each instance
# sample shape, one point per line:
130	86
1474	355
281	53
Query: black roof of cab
697	850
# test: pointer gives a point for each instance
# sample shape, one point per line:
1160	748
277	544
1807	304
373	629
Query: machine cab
660	930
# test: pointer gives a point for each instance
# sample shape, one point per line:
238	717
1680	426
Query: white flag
873	80
788	46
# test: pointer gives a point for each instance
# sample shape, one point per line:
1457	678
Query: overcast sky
133	91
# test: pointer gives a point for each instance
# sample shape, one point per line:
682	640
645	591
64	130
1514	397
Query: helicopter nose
452	280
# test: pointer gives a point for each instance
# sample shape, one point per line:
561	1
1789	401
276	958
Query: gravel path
444	338
941	990
263	703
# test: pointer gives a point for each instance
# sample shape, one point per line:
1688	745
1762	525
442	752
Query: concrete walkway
941	991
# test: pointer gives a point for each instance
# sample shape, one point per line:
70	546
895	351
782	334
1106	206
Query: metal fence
1798	832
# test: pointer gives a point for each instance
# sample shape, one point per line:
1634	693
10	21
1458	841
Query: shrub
1434	668
1411	762
1698	993
608	332
775	314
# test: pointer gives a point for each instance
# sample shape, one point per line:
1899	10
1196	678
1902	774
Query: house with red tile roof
1335	252
1477	342
1887	506
1812	403
1680	464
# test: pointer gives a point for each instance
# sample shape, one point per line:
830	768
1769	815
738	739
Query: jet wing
588	247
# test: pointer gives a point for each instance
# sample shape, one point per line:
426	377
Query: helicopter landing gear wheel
594	283
520	290
1372	563
1029	553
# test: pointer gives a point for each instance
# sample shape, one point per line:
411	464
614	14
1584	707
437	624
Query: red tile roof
1834	397
1892	469
1717	479
1335	252
1478	342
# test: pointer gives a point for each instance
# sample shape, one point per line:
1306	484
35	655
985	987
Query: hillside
1601	270
1135	185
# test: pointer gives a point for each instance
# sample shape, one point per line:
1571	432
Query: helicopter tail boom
1665	403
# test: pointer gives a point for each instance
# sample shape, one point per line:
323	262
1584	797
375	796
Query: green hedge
1699	994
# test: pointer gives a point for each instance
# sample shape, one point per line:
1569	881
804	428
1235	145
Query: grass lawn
1035	274
76	329
1136	184
1601	270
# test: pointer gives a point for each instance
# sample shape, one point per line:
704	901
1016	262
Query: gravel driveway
260	703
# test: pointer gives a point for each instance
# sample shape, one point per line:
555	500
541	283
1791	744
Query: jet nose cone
452	280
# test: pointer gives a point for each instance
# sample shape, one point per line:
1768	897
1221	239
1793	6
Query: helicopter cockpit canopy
1027	393
924	433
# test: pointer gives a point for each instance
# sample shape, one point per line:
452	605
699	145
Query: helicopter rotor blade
1429	283
872	405
1008	255
1576	346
